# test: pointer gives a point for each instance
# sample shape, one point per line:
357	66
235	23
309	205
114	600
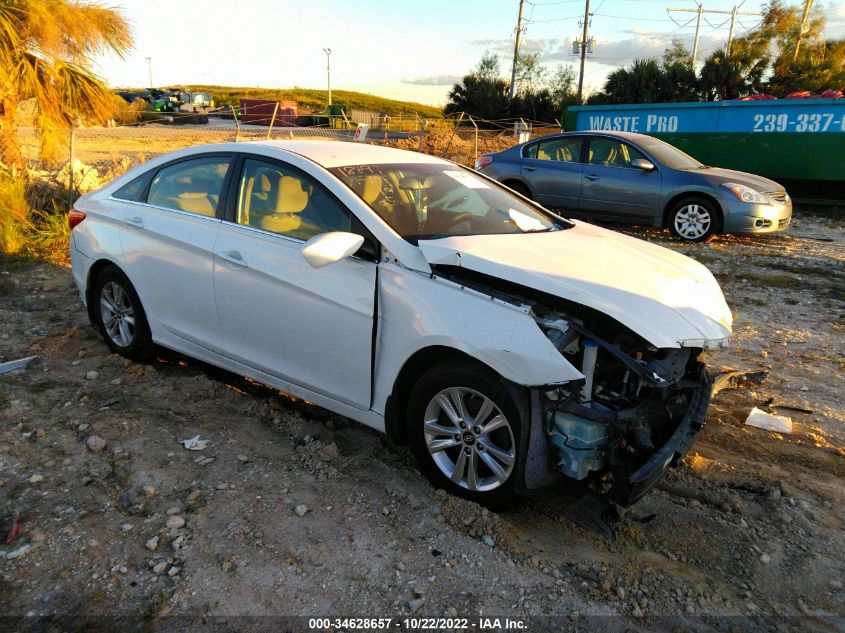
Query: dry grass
24	230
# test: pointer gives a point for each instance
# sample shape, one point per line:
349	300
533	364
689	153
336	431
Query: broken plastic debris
762	420
194	443
13	365
734	379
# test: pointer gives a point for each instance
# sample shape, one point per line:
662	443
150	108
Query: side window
192	185
562	150
530	151
134	189
287	202
612	153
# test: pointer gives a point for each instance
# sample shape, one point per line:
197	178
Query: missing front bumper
623	483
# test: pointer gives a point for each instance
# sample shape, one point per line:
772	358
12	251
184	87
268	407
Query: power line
700	11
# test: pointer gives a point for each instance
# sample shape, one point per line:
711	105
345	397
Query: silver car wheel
469	439
692	221
117	314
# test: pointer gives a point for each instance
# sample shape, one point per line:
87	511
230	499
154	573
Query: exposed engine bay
635	412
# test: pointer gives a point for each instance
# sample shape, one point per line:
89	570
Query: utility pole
580	95
701	11
150	69
516	50
731	32
697	31
328	53
806	15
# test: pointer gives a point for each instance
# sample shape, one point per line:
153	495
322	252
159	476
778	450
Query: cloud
504	47
642	46
643	43
436	80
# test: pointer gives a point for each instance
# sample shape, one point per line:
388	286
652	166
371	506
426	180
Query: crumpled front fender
419	311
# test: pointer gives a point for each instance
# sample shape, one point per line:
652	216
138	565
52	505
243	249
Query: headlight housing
746	194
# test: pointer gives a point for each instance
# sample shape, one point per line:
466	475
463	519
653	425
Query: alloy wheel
117	314
692	221
469	439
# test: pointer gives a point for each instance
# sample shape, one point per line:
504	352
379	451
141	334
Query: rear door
309	326
169	226
611	187
553	168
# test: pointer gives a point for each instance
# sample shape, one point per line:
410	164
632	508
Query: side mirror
328	248
642	163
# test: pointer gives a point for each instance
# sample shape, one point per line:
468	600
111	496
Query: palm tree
45	55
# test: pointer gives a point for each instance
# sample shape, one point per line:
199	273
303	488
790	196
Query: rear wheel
520	188
694	220
120	316
464	432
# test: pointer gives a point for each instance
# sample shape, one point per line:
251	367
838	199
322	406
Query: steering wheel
451	204
439	224
464	216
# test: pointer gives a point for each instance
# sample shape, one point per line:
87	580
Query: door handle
592	177
233	257
530	169
134	222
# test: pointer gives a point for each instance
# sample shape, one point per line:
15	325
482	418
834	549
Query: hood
668	299
718	175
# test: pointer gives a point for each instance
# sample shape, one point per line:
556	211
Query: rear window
135	189
193	185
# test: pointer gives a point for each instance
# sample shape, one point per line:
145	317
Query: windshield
669	155
428	201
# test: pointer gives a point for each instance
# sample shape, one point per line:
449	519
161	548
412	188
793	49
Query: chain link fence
88	158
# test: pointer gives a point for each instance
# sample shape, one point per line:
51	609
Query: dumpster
799	143
260	112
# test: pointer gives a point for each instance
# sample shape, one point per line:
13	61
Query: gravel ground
291	510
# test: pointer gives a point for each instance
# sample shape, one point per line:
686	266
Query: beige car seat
291	199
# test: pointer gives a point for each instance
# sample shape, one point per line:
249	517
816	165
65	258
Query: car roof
631	136
339	153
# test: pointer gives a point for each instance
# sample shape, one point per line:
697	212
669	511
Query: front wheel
464	432
694	220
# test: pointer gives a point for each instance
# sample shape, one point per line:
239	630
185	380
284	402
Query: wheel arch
413	368
93	272
511	180
692	194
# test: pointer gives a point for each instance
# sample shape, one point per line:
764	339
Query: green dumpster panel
781	156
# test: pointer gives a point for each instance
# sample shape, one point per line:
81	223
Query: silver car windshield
669	155
428	201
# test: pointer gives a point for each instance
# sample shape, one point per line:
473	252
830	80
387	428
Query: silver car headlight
746	194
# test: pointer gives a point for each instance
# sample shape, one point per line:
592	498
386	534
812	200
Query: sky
403	49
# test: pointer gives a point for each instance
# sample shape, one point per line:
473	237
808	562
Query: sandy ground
746	534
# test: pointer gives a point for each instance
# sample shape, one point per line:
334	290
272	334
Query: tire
487	452
120	317
694	220
520	189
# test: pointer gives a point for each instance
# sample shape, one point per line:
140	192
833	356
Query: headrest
292	198
372	188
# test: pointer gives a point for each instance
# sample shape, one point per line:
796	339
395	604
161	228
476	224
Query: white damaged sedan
512	348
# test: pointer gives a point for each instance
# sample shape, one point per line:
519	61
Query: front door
309	326
611	187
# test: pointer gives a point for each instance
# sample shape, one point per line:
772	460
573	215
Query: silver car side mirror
642	163
328	248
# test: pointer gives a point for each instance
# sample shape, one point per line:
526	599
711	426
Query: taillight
74	217
482	162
